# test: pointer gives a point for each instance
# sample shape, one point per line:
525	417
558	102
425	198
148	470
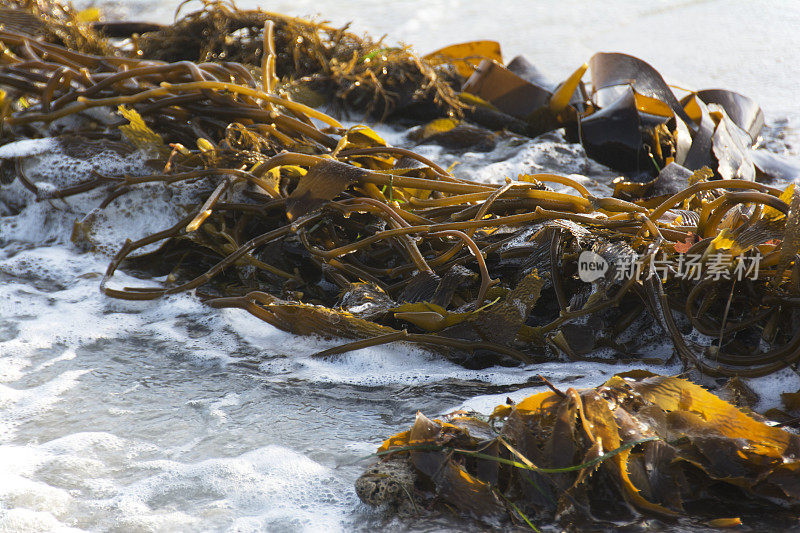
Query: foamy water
171	416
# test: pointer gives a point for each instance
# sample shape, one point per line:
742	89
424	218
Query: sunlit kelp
55	22
638	444
323	63
320	229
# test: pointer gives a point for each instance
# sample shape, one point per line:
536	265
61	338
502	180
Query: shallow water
170	416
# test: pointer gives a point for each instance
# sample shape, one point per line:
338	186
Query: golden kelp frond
313	59
139	134
661	444
465	57
55	22
629	120
279	210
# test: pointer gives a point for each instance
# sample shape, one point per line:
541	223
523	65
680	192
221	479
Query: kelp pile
55	22
326	230
640	444
322	229
323	63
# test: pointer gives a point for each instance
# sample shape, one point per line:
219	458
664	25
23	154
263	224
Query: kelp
640	445
319	62
55	22
316	228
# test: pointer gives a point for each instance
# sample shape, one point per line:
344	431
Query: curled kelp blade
743	111
614	69
713	127
728	124
323	181
730	145
505	90
613	136
662	444
465	57
524	93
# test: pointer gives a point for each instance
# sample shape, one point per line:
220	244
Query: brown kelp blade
613	136
465	57
524	93
667	443
743	111
323	181
614	69
505	90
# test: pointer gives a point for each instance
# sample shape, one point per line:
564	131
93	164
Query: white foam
21	520
50	168
27	147
769	388
265	487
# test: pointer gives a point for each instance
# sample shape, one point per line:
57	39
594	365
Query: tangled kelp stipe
323	63
638	444
326	230
55	22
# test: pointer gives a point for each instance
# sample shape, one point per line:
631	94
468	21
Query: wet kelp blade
614	69
543	107
669	443
505	90
613	136
743	111
323	182
710	128
465	57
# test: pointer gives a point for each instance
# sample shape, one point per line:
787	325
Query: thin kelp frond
55	22
315	61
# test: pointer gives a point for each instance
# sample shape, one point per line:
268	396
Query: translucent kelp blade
466	492
602	427
698	154
612	69
139	134
505	90
729	144
665	446
675	394
743	111
466	56
324	181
